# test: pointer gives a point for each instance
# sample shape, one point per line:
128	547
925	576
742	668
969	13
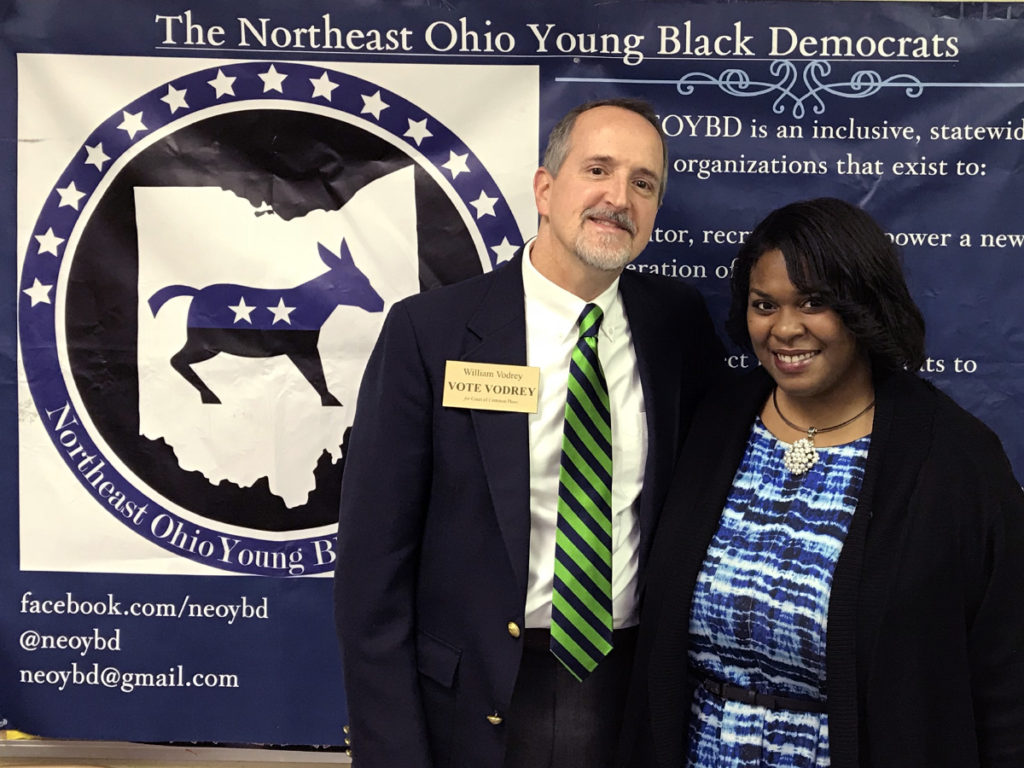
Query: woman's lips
793	361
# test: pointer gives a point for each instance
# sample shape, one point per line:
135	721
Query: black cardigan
925	637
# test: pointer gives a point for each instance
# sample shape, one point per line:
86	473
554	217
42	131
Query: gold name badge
490	387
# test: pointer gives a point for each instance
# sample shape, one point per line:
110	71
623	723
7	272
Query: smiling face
598	212
802	343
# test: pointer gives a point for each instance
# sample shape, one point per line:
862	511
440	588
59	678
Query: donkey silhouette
266	322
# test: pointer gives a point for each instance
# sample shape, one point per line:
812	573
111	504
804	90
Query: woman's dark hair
837	252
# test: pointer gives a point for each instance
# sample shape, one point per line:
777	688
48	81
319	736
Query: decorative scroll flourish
861	85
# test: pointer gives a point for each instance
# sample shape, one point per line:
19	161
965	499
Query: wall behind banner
153	152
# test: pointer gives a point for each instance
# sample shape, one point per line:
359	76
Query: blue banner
209	210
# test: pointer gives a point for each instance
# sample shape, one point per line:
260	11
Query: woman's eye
760	305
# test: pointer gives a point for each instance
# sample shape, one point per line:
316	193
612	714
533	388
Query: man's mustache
621	218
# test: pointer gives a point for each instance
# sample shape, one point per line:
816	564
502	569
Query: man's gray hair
558	140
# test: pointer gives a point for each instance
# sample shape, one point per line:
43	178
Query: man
449	525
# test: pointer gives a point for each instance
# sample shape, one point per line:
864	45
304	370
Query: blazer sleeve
384	497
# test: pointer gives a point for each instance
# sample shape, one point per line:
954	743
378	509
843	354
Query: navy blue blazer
434	533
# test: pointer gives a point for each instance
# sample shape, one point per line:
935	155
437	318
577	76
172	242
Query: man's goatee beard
605	256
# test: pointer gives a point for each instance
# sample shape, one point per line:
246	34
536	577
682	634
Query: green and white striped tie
581	613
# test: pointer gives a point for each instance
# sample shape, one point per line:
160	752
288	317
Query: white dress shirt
551	334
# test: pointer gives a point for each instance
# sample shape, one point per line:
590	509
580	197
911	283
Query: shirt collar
559	309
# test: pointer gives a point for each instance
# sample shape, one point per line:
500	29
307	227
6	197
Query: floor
44	753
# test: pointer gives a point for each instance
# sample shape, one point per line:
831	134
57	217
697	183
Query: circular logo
205	280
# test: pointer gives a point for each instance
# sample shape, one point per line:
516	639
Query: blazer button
513	629
495	719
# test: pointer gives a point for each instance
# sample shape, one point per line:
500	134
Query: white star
96	156
373	105
131	124
323	86
418	131
242	310
39	292
272	80
49	242
70	196
456	164
505	250
281	312
484	205
175	99
222	84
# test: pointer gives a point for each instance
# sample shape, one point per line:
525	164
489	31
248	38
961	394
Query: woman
838	577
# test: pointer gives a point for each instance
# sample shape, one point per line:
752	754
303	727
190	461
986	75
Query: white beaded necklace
802	455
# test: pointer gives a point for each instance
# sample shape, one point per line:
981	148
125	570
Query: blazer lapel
660	386
496	333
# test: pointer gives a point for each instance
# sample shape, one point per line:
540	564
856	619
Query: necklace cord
812	431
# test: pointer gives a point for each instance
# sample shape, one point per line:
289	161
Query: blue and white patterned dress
761	603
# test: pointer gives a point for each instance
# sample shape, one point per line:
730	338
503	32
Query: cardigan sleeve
996	640
994	554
